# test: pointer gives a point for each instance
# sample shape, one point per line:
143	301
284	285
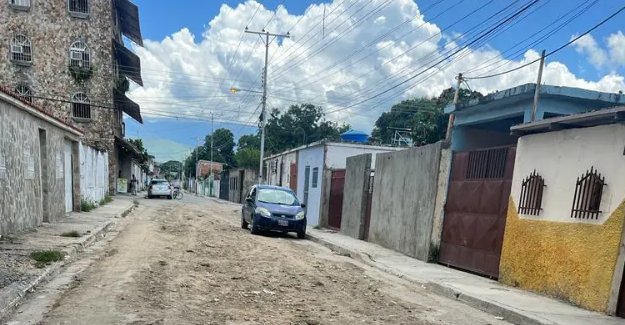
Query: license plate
283	223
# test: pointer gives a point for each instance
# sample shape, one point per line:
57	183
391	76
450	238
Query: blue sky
162	19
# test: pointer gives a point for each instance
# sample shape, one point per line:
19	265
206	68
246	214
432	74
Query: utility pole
197	139
538	82
452	116
264	100
210	167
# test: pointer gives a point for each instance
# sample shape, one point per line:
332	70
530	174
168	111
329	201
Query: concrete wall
312	157
94	181
337	153
552	253
404	200
355	194
28	195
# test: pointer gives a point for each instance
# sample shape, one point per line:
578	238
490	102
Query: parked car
160	187
269	207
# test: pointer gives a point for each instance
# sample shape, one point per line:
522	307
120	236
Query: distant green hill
164	150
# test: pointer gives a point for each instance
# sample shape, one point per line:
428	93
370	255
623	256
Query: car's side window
253	193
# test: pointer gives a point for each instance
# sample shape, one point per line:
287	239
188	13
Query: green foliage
424	117
248	157
73	233
43	258
81	74
86	205
144	156
249	141
106	200
122	85
299	125
223	151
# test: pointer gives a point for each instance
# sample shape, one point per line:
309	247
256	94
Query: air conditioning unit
17	49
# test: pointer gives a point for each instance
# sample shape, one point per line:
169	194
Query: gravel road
189	262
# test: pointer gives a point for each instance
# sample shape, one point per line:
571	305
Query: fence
94	171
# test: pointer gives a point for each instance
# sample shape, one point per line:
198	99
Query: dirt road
189	262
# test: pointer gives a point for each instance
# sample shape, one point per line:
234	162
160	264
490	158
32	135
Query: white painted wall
289	159
561	157
337	153
94	170
312	157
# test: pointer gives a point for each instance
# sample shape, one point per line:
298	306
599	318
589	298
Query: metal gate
337	185
224	186
369	201
475	212
293	178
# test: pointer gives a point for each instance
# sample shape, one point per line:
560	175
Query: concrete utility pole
264	100
537	91
197	140
210	167
452	116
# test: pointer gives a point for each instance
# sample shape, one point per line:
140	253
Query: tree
171	167
299	125
144	156
223	150
424	117
249	141
248	157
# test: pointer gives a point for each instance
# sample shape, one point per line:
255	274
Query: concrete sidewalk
18	275
514	305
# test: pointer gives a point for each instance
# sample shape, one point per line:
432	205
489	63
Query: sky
359	60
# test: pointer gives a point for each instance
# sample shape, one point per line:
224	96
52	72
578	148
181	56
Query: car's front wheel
301	234
244	223
255	230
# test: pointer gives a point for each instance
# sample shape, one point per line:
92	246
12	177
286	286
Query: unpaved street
189	262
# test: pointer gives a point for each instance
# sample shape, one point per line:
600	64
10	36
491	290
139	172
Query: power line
554	51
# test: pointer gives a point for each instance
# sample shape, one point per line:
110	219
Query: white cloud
612	57
183	76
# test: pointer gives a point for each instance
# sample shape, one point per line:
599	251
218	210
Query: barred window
21	49
20	4
588	193
24	92
531	194
79	55
81	107
78	8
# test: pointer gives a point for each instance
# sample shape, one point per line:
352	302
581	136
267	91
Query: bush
106	200
73	233
43	258
86	206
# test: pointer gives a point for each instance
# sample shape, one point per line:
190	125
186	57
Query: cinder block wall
357	176
404	200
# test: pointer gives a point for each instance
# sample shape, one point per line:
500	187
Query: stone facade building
69	57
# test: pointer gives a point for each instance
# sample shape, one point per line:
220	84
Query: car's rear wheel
244	223
255	230
169	197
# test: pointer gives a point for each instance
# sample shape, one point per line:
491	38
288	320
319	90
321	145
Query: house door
337	185
475	212
293	178
224	186
306	183
69	202
620	307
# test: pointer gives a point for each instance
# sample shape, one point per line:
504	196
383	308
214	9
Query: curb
443	290
15	293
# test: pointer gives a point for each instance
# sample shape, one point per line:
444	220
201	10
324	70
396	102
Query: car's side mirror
249	200
303	205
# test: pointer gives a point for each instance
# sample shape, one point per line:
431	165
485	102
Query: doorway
69	201
620	307
306	183
43	167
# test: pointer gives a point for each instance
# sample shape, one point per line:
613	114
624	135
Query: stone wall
357	175
22	181
404	200
52	30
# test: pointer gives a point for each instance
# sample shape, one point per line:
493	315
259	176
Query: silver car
160	187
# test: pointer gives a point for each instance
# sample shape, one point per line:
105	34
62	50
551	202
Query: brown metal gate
293	178
475	212
335	208
368	213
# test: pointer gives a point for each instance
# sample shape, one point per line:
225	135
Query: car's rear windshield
158	181
276	196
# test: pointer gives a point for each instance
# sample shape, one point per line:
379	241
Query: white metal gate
68	177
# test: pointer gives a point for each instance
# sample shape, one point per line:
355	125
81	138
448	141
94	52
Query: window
488	163
531	194
24	92
81	107
21	49
315	176
20	4
78	8
588	192
79	55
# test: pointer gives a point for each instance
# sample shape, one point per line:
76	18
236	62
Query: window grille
79	55
315	177
24	92
489	163
81	107
21	49
531	194
588	192
20	4
79	7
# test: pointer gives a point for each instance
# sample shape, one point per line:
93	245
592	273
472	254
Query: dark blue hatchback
269	207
